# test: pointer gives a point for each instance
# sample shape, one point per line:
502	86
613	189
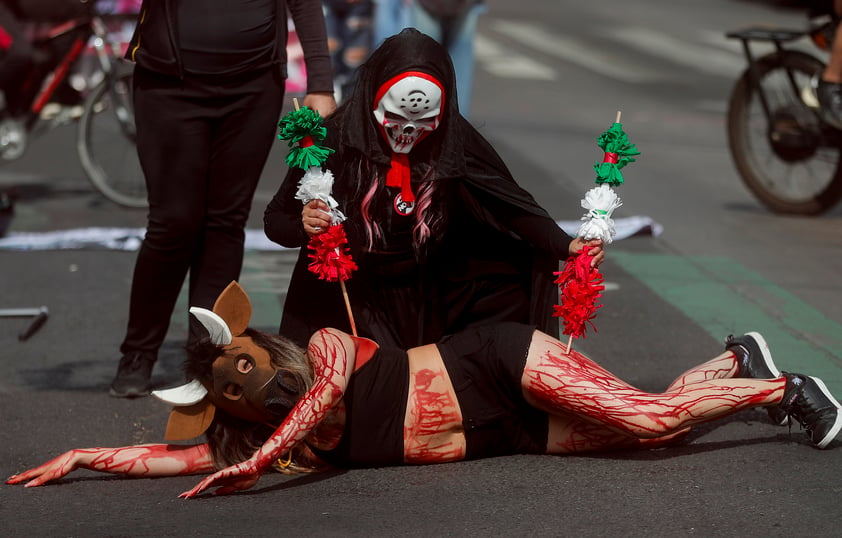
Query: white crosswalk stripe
506	64
583	53
625	54
693	55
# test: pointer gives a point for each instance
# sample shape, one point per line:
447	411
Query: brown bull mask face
244	381
247	385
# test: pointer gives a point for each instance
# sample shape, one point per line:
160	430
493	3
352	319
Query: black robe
490	258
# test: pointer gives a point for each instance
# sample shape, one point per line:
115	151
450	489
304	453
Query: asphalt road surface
550	77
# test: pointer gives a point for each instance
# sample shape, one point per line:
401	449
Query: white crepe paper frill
317	184
601	201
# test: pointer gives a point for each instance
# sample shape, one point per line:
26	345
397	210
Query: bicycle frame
59	73
779	37
776	37
85	28
102	111
784	145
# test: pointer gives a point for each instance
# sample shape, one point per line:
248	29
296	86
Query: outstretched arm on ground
140	460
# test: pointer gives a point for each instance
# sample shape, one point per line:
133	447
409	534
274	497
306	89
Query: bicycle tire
804	178
106	143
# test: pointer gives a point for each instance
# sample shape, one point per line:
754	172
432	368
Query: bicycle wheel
106	142
791	161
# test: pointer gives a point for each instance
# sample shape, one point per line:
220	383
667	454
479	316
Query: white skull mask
408	108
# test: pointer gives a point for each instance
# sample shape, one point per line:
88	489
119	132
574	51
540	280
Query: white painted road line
506	64
692	55
579	52
619	56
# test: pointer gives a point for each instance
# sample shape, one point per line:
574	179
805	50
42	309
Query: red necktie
399	176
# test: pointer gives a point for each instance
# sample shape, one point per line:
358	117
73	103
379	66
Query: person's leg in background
357	38
427	23
457	35
243	137
460	43
829	90
349	38
390	17
333	25
173	143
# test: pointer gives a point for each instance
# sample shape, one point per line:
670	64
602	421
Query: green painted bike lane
724	297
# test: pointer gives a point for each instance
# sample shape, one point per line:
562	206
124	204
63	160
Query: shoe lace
807	415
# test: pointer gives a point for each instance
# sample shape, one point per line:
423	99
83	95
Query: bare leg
574	385
568	435
721	367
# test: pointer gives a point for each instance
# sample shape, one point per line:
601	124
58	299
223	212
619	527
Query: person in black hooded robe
443	236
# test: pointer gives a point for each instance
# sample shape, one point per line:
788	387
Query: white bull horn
220	334
187	394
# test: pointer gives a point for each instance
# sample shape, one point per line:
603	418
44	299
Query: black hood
410	50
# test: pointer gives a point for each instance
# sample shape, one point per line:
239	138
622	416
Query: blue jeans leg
457	35
390	17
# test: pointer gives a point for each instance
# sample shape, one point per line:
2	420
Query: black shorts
486	365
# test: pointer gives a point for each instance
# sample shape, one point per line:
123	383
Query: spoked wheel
792	161
106	143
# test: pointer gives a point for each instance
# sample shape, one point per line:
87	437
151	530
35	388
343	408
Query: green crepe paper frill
297	125
614	140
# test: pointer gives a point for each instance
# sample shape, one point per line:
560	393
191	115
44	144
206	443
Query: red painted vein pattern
434	415
573	383
142	460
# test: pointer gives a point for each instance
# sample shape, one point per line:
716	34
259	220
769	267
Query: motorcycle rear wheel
792	161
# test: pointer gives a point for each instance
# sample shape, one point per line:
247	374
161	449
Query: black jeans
202	144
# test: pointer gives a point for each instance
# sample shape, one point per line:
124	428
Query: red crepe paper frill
581	287
330	259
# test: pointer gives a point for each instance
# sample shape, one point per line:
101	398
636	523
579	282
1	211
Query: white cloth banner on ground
130	238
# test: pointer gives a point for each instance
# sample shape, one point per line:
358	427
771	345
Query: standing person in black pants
208	93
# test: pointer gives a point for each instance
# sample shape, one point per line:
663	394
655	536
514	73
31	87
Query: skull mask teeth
408	108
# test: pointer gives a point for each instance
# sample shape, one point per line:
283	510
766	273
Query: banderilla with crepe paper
580	284
330	256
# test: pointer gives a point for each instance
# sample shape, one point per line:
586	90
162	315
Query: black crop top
375	407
